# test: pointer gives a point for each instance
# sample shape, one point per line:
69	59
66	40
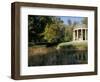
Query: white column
85	34
77	33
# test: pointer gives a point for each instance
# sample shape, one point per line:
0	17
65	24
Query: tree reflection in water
62	57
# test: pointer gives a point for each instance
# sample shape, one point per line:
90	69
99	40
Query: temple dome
80	26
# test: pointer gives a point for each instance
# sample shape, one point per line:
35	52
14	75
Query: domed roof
80	26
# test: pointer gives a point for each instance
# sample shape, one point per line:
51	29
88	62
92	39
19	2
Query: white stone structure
80	33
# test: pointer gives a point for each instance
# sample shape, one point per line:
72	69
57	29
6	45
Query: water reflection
62	57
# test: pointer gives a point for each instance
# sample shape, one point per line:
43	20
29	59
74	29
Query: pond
59	57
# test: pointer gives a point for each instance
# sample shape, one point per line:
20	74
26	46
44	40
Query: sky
73	19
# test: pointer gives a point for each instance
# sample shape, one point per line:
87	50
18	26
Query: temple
80	33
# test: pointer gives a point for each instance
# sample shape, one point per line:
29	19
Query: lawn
73	45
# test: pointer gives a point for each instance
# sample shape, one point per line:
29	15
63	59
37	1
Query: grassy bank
77	45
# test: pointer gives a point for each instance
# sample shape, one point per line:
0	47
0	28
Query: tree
85	21
54	32
69	30
69	22
48	28
36	25
68	33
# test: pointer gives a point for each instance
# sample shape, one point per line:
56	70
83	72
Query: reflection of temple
80	33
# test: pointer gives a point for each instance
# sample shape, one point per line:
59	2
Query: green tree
68	33
54	32
69	30
85	21
36	25
48	28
